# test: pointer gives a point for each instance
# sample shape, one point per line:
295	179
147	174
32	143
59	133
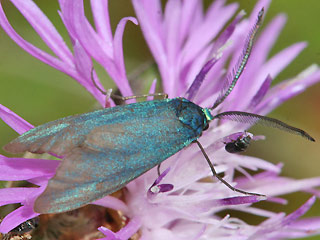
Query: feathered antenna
251	118
236	72
245	117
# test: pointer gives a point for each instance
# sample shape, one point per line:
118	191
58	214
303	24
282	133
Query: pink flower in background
178	204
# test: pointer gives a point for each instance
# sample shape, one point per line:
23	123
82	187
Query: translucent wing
84	175
104	150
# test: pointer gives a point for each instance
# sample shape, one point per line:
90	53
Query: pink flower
177	204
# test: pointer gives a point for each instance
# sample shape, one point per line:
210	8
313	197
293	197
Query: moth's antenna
251	118
236	72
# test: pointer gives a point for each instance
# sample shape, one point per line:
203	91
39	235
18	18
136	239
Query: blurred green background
40	93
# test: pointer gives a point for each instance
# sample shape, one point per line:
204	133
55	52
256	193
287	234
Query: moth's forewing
106	149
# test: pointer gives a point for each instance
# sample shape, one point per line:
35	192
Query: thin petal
264	44
261	92
101	18
17	217
274	226
73	14
216	51
188	12
307	224
195	86
125	233
152	89
218	14
83	62
171	21
15	169
240	200
149	14
278	200
122	82
45	29
28	47
14	121
282	59
253	163
131	228
156	188
112	202
41	181
299	212
288	89
15	195
279	186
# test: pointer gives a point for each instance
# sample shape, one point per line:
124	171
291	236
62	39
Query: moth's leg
95	84
131	76
163	95
139	70
158	169
134	81
220	178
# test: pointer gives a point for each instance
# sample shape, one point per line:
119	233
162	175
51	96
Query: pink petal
83	64
239	200
280	186
73	12
131	228
110	235
288	89
17	217
28	47
188	12
125	233
261	92
15	195
149	14
15	169
171	21
299	212
45	29
152	89
282	59
112	202
122	81
307	224
101	18
217	14
195	86
277	226
14	121
253	163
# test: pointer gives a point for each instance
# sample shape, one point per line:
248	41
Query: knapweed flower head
191	48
